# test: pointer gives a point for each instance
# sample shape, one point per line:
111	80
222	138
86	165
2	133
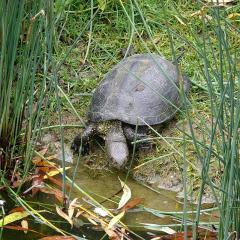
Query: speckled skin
143	88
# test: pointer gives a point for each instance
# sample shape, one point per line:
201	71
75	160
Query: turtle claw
77	144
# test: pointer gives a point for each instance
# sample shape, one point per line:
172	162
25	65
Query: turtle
143	89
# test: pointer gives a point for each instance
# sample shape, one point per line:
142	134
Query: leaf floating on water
12	217
112	234
71	208
91	220
156	227
58	238
132	203
20	228
17	209
202	234
126	194
54	191
15	216
115	220
100	212
167	230
64	215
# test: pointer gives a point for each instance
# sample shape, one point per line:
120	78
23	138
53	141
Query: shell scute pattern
143	86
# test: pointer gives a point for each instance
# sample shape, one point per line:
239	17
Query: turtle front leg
116	145
82	141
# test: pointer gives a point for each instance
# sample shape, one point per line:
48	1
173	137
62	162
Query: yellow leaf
72	207
233	16
12	217
55	172
115	220
92	221
126	194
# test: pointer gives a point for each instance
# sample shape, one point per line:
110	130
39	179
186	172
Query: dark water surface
102	185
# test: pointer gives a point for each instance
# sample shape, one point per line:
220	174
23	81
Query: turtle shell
140	89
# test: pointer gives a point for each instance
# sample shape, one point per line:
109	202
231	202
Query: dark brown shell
141	88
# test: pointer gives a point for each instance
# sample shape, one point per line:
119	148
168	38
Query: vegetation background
54	54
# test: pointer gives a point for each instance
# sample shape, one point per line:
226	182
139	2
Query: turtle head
118	153
116	146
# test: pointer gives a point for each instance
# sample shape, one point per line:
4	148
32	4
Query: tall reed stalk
25	44
219	61
218	65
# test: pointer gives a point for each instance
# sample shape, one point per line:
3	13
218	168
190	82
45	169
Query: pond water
104	185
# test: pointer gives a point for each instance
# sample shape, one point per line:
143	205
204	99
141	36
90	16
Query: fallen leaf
79	213
64	215
55	172
51	158
71	208
37	183
156	227
132	203
42	163
91	220
111	233
24	224
115	220
58	238
42	151
201	234
19	228
58	182
167	230
202	14
126	194
12	217
53	191
100	212
233	16
17	209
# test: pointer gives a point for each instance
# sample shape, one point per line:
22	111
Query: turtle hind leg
81	141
